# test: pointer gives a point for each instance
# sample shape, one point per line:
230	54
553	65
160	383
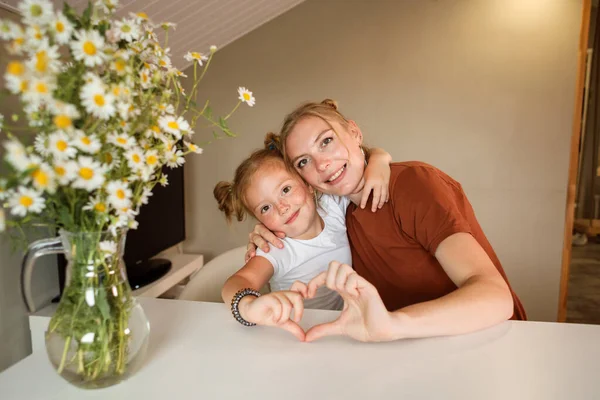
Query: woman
422	265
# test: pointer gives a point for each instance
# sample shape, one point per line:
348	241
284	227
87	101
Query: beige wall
482	89
15	342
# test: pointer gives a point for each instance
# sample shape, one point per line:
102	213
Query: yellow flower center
196	55
60	171
19	41
123	124
100	207
108	158
40	177
193	147
125	29
116	91
122	141
38	35
120	194
86	140
41	64
151	159
89	48
41	87
99	100
142	15
15	68
24	85
136	158
145	77
86	173
120	65
61	145
62	121
60	27
246	96
35	10
155	128
26	201
173	125
162	63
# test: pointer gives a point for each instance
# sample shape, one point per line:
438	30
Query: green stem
232	111
64	355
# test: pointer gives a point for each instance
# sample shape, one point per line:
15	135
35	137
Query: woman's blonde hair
231	196
327	110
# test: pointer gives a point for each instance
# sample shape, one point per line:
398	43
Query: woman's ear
355	132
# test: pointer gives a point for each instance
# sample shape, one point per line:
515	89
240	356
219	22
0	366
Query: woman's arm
377	179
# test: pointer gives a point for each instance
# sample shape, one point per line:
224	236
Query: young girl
315	235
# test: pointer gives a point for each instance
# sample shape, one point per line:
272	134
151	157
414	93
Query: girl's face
282	202
332	163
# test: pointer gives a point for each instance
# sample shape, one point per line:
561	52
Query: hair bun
272	141
331	103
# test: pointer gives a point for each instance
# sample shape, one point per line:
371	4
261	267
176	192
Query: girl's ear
355	132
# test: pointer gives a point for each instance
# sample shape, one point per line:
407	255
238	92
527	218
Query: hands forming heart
363	317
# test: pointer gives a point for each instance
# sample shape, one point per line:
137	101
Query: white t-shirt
302	260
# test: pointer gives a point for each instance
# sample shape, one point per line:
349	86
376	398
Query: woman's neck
357	194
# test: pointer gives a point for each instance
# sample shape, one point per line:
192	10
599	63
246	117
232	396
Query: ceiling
200	23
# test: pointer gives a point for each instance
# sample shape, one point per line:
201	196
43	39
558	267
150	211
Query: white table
197	351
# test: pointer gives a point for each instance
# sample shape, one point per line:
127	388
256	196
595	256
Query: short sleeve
429	206
271	259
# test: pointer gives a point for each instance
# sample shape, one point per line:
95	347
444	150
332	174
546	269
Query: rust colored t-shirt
394	248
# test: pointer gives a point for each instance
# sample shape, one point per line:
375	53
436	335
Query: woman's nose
323	164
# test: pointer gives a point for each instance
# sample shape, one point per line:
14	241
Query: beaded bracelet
235	303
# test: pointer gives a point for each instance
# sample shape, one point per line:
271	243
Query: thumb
322	330
294	329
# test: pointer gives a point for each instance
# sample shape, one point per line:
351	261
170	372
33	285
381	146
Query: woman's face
332	163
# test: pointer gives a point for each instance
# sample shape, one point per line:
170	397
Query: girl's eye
264	209
301	163
326	141
287	189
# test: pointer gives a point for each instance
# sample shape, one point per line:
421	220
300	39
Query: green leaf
216	135
102	303
208	112
87	16
223	124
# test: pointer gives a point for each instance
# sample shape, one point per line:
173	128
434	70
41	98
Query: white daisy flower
17	45
96	204
146	194
65	171
174	158
163	181
60	146
154	131
97	102
64	115
121	139
39	91
145	78
62	28
91	78
139	17
108	6
88	143
123	109
90	174
88	47
17	85
168	25
174	126
128	30
152	159
213	48
36	11
135	159
15	69
246	96
110	160
40	144
108	247
120	66
119	194
146	174
193	148
165	62
7	29
26	200
195	56
43	179
35	38
16	155
166	108
44	60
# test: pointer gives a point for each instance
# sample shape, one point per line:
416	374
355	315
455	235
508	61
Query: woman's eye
287	189
264	209
326	141
301	163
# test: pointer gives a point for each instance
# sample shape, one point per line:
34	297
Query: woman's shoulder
414	177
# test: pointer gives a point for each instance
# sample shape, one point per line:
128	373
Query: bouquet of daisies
108	111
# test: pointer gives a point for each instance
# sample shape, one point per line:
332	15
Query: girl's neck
314	229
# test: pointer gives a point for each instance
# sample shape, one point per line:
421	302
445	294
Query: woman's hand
364	316
274	309
377	179
261	236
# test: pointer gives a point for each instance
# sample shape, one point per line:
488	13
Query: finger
343	272
332	274
297	305
376	197
259	242
365	195
280	234
249	255
300	287
295	329
352	284
384	196
315	283
286	309
267	235
327	329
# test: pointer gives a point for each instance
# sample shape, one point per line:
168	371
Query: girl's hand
377	179
274	309
261	236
